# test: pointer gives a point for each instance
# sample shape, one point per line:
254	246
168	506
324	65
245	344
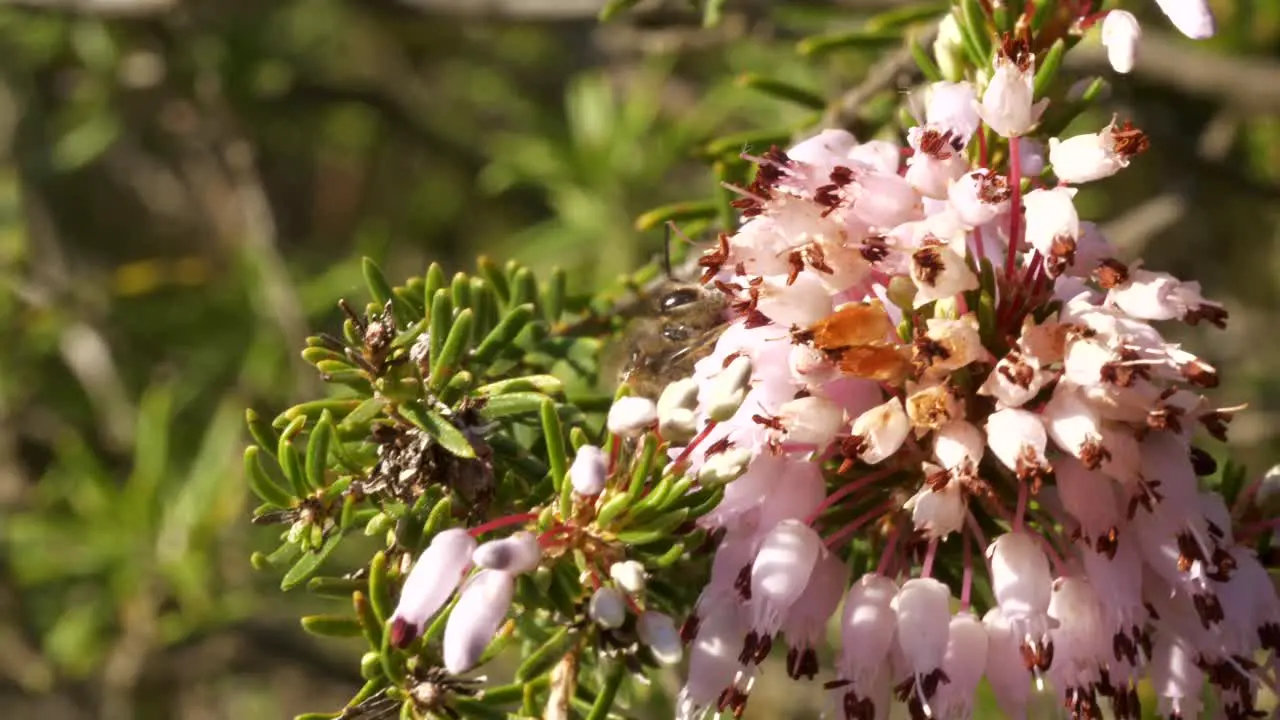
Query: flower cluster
931	352
933	376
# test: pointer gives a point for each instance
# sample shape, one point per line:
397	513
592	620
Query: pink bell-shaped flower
431	583
481	608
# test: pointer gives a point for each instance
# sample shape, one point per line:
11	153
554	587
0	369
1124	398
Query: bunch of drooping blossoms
939	415
934	363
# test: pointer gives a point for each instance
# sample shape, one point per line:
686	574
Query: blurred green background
187	186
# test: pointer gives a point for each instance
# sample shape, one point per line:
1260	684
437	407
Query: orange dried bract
883	362
852	325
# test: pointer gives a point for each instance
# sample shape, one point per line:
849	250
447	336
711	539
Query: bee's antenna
666	251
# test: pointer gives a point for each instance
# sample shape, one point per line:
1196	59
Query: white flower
881	431
979	197
1018	439
828	148
1007	106
811	420
1093	156
728	389
938	508
886	200
1005	669
936	162
1016	379
923	607
940	272
963	664
1052	222
1120	35
929	407
1022	583
953	344
1192	17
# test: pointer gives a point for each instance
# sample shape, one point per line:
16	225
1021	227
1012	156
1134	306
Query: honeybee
677	329
675	325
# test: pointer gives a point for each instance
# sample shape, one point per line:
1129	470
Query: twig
896	70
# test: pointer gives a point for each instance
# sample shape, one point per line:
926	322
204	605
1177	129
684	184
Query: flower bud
431	583
658	631
729	389
607	608
516	554
724	467
1120	35
948	48
677	421
1192	17
589	472
475	619
629	575
631	416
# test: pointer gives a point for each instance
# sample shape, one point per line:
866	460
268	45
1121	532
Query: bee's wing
377	707
699	347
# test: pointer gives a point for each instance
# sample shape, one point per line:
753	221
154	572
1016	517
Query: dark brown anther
875	248
689	628
1129	140
1203	463
742	583
1111	273
929	260
1213	314
1216	424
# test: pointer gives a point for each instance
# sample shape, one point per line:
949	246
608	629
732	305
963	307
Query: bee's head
674	300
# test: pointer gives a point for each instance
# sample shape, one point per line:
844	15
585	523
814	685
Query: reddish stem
889	544
844	532
1021	512
688	450
1015	206
502	522
847	490
930	553
966	583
